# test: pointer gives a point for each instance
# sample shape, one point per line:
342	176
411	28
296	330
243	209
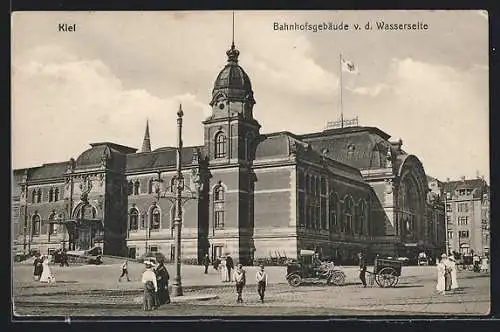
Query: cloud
84	101
440	112
371	91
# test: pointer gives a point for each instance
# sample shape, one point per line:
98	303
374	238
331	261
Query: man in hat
447	272
229	266
240	279
362	268
150	287
261	278
206	263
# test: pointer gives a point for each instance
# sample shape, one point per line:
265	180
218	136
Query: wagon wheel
337	278
294	280
386	277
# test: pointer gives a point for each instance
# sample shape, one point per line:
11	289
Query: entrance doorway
216	251
132	252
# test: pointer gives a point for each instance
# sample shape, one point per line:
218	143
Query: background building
337	191
467	215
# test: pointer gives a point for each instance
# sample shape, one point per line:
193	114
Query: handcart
386	273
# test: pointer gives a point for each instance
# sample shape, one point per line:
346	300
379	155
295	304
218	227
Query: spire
146	144
232	53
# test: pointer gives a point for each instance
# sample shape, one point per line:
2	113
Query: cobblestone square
95	291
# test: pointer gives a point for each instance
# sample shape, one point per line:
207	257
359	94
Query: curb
93	305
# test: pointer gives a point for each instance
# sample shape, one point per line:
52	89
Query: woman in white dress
453	267
46	273
484	264
441	269
223	270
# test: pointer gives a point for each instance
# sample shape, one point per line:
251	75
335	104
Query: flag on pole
348	66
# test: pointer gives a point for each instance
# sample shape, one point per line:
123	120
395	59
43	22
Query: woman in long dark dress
38	268
162	278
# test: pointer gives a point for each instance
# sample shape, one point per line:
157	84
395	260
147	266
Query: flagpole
341	110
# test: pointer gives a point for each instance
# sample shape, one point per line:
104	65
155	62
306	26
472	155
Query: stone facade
468	216
261	195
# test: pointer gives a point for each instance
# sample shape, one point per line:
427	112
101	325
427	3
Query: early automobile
308	268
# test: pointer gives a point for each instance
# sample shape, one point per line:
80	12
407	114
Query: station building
258	195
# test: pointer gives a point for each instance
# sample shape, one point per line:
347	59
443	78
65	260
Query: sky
103	81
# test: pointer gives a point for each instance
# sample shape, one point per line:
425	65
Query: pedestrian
47	275
38	267
362	268
261	278
484	264
64	258
230	267
240	279
447	272
441	268
124	271
162	278
150	287
223	270
453	273
206	263
476	260
216	263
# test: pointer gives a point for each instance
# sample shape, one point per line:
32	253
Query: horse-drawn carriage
308	268
386	272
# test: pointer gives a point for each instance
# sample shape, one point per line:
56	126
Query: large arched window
348	215
35	225
155	218
219	208
220	145
133	219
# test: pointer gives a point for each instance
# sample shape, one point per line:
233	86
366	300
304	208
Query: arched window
39	196
35	225
133	219
219	207
52	217
137	186
155	220
348	215
130	188
220	145
56	194
51	195
150	186
33	196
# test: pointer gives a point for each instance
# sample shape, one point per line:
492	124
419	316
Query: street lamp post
178	194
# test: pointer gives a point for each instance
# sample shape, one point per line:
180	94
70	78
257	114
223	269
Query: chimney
447	179
463	178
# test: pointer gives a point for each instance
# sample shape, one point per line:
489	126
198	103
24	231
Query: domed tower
231	131
231	137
